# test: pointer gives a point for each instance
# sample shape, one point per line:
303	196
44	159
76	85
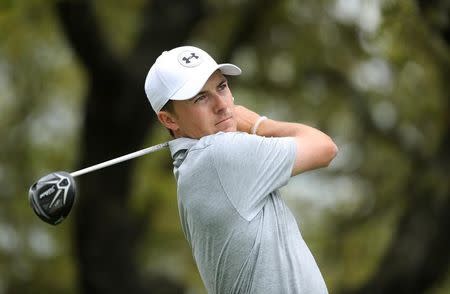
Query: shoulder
230	148
243	140
228	145
230	141
222	139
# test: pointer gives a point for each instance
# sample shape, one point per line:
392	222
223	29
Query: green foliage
370	73
39	118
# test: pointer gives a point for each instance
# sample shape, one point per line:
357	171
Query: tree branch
81	29
168	24
249	22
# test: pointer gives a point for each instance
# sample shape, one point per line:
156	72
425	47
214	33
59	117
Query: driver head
52	197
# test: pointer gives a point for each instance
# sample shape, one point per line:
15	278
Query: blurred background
373	74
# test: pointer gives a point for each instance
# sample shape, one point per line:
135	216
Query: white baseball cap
180	74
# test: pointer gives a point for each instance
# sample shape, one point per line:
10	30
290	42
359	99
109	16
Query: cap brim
229	69
194	85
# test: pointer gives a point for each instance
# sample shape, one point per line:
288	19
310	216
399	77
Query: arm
314	148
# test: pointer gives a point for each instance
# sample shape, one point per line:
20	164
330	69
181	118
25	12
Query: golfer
229	163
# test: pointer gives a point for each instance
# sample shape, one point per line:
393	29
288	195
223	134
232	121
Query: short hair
170	108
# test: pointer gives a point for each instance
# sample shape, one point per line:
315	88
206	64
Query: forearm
269	128
273	128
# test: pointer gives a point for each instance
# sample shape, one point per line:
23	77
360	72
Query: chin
228	126
228	129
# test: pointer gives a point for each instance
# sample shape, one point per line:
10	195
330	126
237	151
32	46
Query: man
229	163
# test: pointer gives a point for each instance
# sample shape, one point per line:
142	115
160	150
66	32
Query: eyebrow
224	80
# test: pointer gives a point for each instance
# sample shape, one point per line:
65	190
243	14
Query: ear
168	120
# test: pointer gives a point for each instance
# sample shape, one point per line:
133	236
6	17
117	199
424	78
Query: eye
222	86
199	98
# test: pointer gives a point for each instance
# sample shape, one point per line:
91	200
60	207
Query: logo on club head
47	192
189	58
62	186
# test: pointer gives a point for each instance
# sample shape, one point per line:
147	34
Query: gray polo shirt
244	238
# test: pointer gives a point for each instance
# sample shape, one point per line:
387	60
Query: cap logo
189	59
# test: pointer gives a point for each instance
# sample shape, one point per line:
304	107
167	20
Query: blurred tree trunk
418	257
117	119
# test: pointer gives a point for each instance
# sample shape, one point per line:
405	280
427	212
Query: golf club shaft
119	159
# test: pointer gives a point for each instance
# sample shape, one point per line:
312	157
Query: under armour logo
189	59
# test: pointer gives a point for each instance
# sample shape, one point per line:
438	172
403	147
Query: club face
52	197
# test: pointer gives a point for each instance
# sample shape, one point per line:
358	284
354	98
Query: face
207	113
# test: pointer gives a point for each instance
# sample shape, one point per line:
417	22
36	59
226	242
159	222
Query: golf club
53	195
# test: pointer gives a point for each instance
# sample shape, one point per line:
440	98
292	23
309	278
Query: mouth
223	120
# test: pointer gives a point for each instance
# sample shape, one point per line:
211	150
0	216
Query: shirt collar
181	144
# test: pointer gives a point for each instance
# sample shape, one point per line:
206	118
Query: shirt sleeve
251	167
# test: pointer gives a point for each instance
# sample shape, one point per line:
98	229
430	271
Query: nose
220	103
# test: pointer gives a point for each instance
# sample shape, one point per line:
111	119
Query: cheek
195	119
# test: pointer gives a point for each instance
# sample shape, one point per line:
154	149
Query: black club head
52	197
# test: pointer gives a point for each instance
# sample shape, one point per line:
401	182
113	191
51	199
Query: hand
245	118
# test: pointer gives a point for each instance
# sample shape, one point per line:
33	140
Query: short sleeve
251	167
